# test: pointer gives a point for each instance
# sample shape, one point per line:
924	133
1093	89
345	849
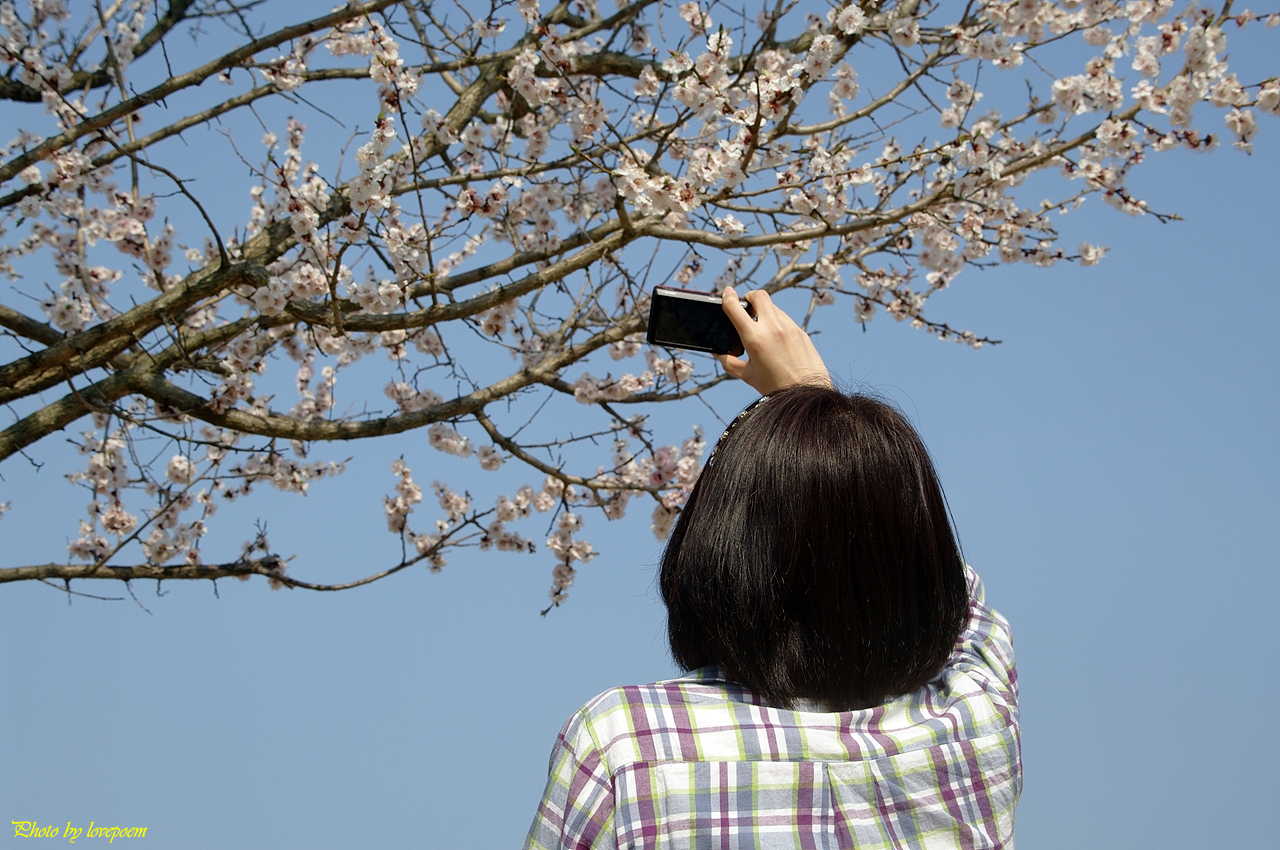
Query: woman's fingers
780	352
737	314
733	366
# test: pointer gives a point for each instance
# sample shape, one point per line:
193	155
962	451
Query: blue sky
1112	470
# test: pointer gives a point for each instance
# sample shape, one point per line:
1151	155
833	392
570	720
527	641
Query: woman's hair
814	558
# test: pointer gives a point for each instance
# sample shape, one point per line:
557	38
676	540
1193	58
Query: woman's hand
781	353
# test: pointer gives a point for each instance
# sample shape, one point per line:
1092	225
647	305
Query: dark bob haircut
814	559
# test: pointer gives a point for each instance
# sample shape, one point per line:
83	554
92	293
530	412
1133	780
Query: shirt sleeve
576	812
985	647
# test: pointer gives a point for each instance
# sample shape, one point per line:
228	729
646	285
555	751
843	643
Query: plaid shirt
700	762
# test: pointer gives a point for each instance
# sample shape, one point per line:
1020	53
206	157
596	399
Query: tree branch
78	353
26	326
83	80
173	84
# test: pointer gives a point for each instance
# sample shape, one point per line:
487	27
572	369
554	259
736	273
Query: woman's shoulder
984	651
704	686
688	718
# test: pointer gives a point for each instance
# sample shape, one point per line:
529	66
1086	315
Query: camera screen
692	321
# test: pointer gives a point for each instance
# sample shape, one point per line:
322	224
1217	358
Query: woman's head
814	558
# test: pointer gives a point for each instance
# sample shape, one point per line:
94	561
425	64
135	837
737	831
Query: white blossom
850	20
181	470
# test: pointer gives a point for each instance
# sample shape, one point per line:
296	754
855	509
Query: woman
847	685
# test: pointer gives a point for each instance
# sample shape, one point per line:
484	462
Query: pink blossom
490	457
664	518
585	389
116	520
453	504
443	438
698	20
